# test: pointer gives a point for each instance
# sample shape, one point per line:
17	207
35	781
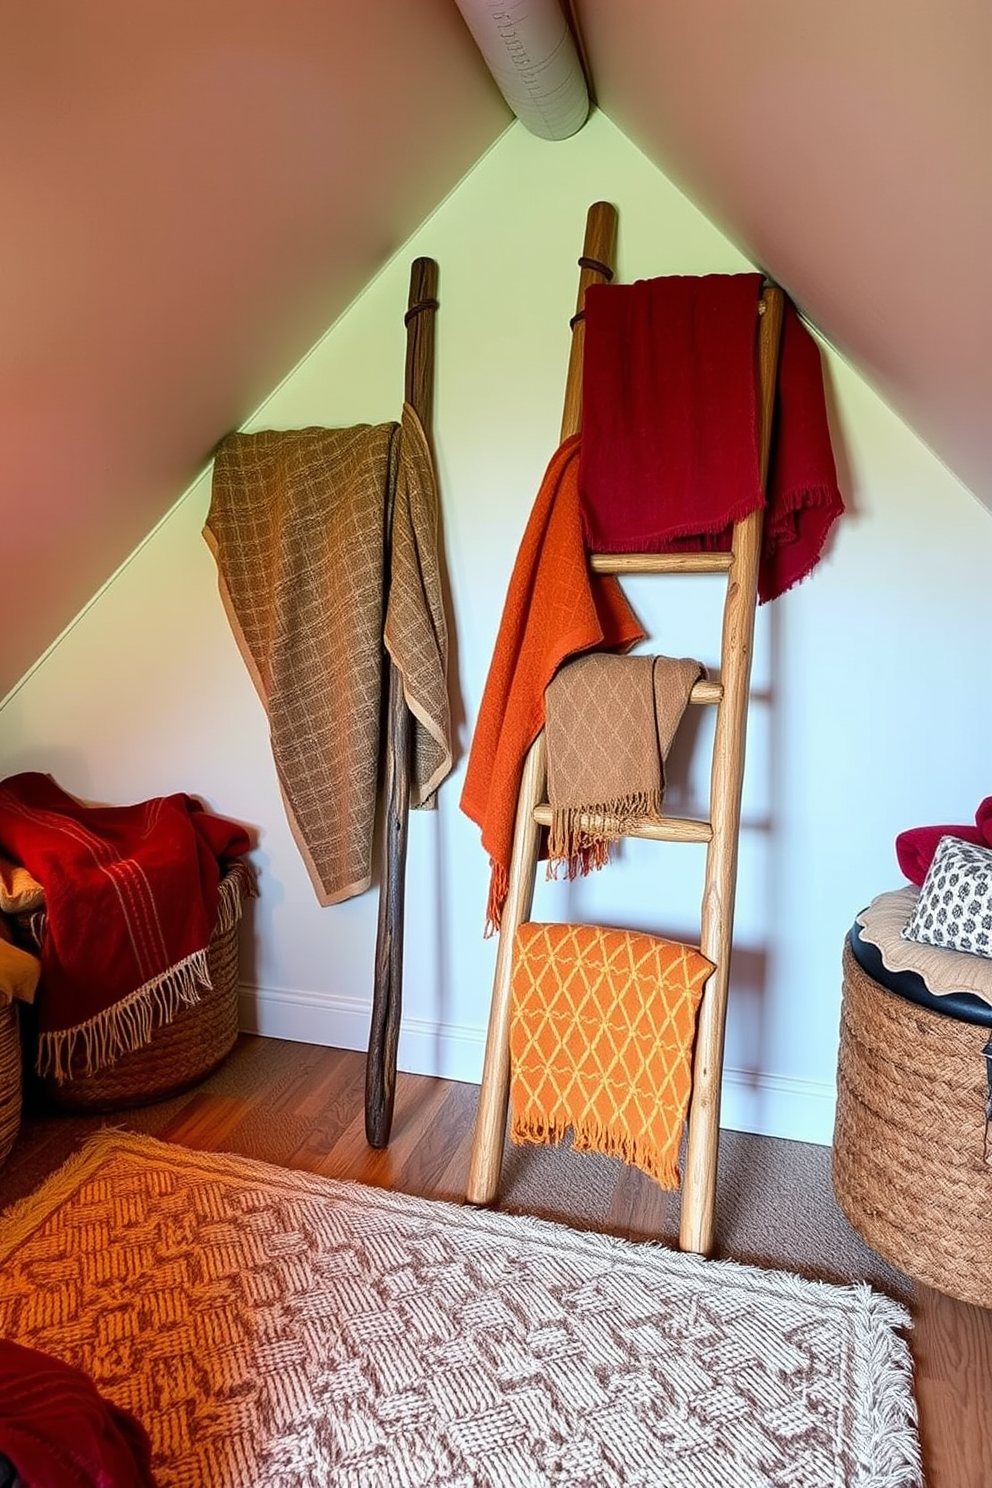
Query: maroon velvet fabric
60	1432
669	426
916	846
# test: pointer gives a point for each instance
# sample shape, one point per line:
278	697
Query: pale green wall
871	707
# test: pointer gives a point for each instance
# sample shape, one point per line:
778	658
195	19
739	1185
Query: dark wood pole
387	991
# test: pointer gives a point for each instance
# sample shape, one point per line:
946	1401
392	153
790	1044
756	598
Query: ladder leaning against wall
720	831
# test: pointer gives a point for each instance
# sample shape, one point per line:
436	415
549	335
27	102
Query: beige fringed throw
610	722
298	523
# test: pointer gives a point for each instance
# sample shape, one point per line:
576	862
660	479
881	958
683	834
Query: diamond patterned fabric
601	1033
610	724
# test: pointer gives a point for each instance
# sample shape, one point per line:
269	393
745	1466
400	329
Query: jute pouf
10	1078
909	1167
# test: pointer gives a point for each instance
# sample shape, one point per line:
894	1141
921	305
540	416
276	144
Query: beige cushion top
943	971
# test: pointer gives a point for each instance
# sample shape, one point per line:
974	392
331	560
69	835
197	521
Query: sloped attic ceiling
845	147
194	189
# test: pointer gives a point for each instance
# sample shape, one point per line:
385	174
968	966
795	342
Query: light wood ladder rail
721	829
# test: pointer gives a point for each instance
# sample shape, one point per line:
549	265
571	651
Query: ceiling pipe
530	51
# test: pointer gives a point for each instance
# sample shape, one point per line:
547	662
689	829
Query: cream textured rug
277	1329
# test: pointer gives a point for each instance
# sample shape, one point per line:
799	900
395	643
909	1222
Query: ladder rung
705	691
654	828
655	563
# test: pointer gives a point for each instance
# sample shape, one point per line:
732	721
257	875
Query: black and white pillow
954	909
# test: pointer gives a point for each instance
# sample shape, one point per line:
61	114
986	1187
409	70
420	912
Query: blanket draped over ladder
602	1021
667	460
610	724
601	1036
669	426
311	528
132	895
555	608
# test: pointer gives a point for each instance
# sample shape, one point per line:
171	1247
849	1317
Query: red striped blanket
131	900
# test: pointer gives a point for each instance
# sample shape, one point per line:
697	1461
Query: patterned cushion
954	909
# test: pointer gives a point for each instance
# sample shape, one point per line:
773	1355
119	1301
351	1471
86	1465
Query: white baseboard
769	1105
778	1106
425	1048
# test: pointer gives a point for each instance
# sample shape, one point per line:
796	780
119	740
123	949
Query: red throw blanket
916	846
131	898
555	608
669	426
59	1432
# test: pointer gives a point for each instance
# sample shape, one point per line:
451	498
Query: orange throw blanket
555	608
601	1033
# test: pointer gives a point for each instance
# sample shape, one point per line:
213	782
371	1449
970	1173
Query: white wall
872	704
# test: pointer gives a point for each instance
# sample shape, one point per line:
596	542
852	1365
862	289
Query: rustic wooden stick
387	989
697	1219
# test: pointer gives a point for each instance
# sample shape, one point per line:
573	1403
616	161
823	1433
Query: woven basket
908	1154
10	1078
181	1052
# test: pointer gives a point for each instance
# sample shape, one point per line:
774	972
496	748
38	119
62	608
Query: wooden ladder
720	831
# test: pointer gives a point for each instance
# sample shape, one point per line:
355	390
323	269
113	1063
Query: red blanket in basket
131	900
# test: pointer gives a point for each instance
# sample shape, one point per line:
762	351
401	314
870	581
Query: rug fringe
126	1025
25	1214
889	1446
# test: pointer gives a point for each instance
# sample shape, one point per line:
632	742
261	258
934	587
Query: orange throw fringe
601	1034
555	608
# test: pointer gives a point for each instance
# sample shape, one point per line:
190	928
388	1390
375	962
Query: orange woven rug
276	1329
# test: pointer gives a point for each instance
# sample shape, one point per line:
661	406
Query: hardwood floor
302	1106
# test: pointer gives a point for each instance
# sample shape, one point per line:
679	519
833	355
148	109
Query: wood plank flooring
302	1106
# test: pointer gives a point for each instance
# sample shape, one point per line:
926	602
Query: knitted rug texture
272	1327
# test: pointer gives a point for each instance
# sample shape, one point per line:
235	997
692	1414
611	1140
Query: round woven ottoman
909	1167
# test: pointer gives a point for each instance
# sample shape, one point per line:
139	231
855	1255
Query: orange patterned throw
601	1037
